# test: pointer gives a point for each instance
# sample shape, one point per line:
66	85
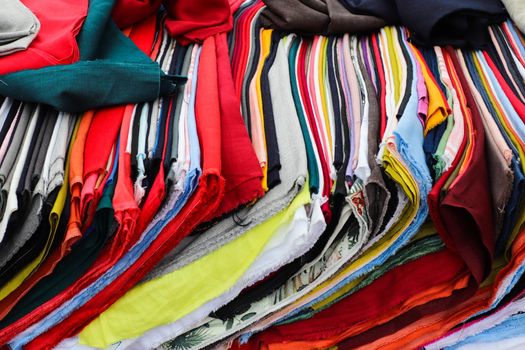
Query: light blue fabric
512	327
512	30
137	250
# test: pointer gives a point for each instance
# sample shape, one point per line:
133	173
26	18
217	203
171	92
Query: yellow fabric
437	104
180	292
322	79
396	75
266	41
54	218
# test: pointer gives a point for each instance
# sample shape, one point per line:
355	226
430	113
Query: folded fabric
200	207
316	17
106	59
18	27
60	22
440	22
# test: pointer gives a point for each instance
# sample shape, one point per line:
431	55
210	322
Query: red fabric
460	300
128	12
466	209
435	194
55	43
240	165
157	192
242	45
463	215
410	317
381	83
195	20
200	207
235	4
389	291
188	20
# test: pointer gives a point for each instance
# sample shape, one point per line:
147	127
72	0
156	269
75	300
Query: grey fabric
18	27
252	60
59	152
30	180
501	176
516	10
26	231
10	187
51	119
21	234
501	179
9	161
293	175
376	193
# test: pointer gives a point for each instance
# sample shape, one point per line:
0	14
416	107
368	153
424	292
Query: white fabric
12	199
516	10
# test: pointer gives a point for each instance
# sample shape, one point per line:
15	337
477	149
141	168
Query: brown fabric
376	193
316	17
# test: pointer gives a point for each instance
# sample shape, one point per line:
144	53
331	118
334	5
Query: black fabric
437	22
135	129
409	77
9	119
22	192
505	50
252	62
83	254
51	117
272	146
35	244
335	93
316	17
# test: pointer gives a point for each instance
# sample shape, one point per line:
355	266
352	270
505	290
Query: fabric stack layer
280	175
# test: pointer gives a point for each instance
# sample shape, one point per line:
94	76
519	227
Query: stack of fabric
284	175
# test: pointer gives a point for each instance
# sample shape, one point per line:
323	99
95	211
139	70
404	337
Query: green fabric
111	71
439	168
75	264
313	170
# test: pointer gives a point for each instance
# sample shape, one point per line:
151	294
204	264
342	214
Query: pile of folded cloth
262	174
